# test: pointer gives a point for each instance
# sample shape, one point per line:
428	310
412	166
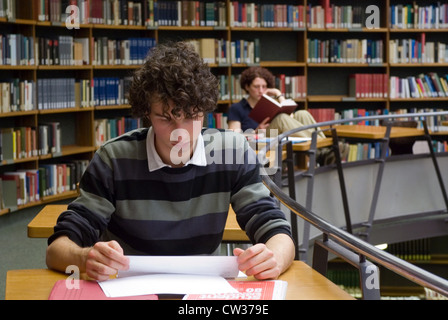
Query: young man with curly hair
159	190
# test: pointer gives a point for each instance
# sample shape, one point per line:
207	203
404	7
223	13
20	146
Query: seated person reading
158	191
256	81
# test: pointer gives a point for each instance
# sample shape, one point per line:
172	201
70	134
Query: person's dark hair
176	72
248	75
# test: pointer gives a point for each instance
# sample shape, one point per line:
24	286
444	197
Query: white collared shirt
155	162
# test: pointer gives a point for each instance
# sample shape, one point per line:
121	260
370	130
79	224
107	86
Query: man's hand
258	261
104	259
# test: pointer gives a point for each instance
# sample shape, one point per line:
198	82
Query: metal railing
344	244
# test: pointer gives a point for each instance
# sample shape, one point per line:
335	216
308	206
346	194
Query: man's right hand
104	259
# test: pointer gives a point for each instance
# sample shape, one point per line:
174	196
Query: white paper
292	139
298	139
223	266
165	284
173	275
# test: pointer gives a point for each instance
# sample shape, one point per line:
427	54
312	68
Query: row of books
106	129
368	85
365	151
53	10
330	16
19	188
402	16
17	95
84	90
224	52
26	186
429	85
137	13
20	50
435	124
216	120
322	114
60	93
8	9
16	50
417	250
132	51
50	138
362	151
413	16
187	13
347	279
18	143
212	50
245	51
236	92
24	142
440	146
62	50
56	93
80	90
345	51
417	51
292	87
118	12
360	112
224	87
153	13
111	91
331	114
76	51
253	15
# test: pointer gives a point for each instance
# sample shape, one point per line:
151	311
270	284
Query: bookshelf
108	47
292	38
400	50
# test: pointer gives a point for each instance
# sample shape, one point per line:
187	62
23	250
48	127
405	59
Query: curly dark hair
174	71
248	75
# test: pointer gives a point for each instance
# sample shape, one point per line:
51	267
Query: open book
269	107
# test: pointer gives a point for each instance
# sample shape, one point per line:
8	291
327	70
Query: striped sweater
170	211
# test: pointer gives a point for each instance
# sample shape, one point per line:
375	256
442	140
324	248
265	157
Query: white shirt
155	162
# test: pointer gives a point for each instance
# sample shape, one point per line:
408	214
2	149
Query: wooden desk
304	146
42	225
376	132
304	283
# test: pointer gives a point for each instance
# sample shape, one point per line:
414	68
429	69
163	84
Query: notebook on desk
87	290
248	290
